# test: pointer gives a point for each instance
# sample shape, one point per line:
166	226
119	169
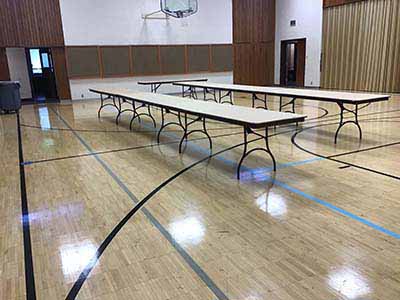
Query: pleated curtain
361	46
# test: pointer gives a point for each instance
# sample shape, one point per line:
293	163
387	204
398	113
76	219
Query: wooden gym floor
326	226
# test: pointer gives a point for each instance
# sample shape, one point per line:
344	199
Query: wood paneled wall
30	23
35	23
4	71
146	60
61	74
254	41
361	46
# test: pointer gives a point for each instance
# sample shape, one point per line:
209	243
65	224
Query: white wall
119	22
308	16
18	66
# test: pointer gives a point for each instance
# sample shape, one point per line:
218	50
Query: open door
41	71
293	62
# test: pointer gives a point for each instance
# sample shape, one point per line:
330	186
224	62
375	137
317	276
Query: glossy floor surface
325	226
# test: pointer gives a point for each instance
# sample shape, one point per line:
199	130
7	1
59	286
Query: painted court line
188	259
303	194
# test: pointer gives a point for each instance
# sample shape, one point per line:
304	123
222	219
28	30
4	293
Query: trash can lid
10	83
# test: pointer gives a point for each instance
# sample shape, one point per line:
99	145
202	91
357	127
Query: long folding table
156	84
342	99
248	118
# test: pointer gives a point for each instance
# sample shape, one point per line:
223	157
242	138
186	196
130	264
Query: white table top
171	81
311	94
221	112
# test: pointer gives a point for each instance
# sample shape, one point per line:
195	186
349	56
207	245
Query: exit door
293	60
41	71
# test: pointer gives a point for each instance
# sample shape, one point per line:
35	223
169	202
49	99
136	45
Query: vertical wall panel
361	46
254	38
242	20
30	23
4	71
60	70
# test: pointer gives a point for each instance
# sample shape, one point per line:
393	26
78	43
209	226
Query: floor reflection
75	257
188	231
44	118
349	283
273	204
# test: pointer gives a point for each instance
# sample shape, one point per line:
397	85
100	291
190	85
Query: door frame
282	79
30	69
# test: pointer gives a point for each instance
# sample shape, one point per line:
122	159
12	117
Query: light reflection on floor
75	257
44	118
273	204
188	231
349	283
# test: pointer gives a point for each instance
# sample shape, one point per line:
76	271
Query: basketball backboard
179	8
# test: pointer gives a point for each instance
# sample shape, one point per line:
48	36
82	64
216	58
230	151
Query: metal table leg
186	131
247	131
354	112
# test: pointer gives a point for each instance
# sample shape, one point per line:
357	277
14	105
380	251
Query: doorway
41	73
293	61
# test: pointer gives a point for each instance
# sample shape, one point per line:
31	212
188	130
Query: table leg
247	131
344	109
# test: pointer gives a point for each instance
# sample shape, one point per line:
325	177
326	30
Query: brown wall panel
198	58
242	71
254	38
242	20
221	58
145	60
83	62
264	21
115	60
4	71
172	59
262	63
60	68
30	23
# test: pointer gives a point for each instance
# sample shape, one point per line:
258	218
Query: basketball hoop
175	8
179	8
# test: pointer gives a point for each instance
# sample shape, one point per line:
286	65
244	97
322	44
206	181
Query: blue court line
336	209
301	193
188	259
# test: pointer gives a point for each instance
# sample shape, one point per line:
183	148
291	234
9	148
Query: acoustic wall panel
145	60
172	59
83	62
198	58
116	60
221	58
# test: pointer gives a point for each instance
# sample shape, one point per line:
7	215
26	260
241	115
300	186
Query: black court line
168	143
344	167
186	257
115	131
28	259
31	162
119	226
332	157
365	149
139	205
